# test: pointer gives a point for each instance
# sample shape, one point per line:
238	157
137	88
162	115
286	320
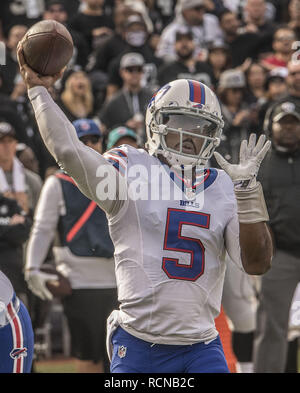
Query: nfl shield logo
122	351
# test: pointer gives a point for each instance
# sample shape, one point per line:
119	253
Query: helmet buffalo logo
16	353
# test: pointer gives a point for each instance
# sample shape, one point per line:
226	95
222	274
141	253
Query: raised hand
251	155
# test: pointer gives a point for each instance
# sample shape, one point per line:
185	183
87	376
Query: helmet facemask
190	129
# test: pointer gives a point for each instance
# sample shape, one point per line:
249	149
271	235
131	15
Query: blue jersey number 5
174	241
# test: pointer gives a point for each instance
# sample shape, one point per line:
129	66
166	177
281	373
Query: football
47	47
59	288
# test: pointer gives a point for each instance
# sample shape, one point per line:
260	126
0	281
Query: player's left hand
251	155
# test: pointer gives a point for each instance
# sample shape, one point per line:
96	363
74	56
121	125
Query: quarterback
169	253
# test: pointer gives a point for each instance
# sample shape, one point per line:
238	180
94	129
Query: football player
16	333
169	248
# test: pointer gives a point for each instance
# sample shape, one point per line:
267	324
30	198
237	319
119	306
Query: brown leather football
47	47
59	288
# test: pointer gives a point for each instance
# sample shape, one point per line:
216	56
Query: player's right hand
32	78
36	281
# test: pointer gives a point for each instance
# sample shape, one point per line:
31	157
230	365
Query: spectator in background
256	76
218	59
164	8
214	6
280	179
22	187
241	46
55	10
294	17
136	36
276	87
156	18
19	12
238	7
14	231
293	80
141	9
205	28
128	106
11	80
293	92
185	66
282	47
9	112
71	7
236	112
276	84
84	255
76	99
121	136
255	20
92	22
114	45
15	181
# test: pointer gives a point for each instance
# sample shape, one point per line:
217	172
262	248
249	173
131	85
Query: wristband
251	205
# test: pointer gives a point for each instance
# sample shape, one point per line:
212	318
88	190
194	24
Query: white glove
244	174
36	281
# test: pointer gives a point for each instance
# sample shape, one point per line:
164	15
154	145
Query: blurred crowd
247	51
124	50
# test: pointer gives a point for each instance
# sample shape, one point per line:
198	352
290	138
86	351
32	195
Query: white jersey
6	289
169	254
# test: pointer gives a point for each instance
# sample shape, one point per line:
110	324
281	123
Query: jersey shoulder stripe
118	158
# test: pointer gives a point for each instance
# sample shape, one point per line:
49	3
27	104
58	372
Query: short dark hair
224	12
54	2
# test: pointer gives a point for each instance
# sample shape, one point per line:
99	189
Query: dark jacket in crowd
280	177
12	238
120	108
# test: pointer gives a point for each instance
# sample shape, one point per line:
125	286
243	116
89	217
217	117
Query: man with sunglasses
84	255
204	26
128	106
